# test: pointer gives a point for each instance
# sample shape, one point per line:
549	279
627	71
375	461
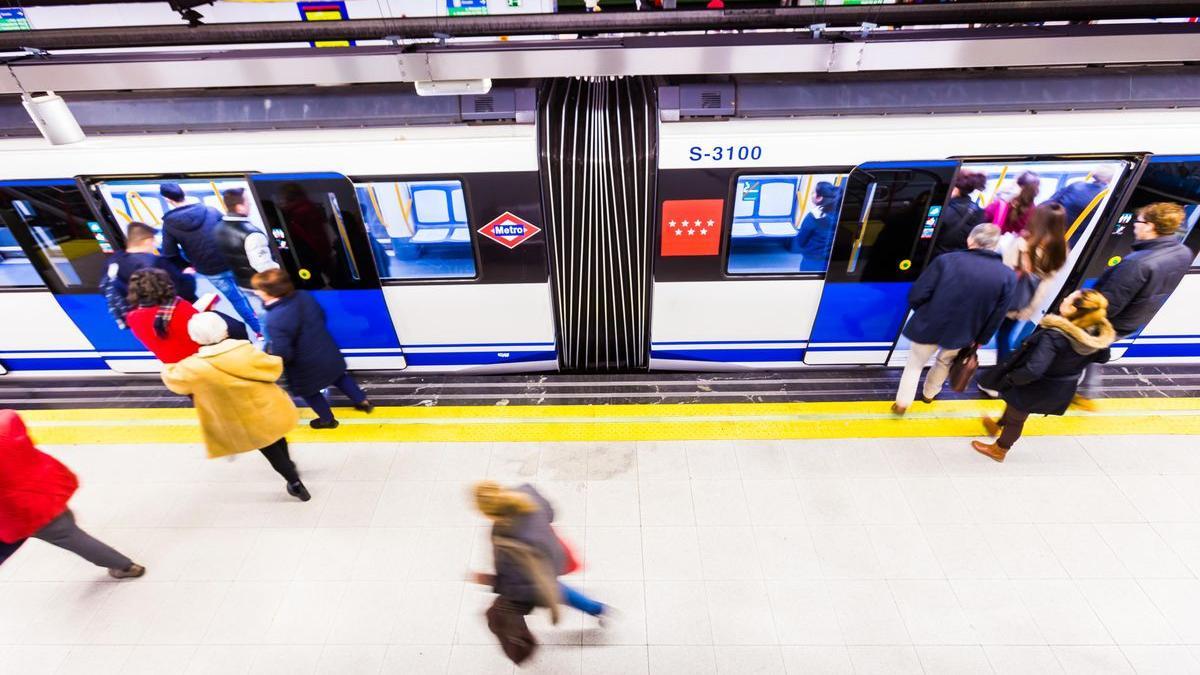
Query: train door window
783	223
142	200
317	226
418	229
52	219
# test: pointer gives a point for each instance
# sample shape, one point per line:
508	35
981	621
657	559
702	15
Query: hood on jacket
14	438
234	357
1084	342
189	217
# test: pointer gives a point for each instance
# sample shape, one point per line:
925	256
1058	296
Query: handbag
572	563
963	368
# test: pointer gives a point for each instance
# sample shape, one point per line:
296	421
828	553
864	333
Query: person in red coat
34	490
159	318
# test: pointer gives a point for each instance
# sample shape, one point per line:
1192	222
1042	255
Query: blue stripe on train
729	355
476	358
51	363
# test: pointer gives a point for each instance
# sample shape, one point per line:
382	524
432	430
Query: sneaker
606	616
990	393
323	424
365	406
132	572
298	491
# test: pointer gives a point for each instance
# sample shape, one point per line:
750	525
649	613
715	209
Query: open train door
1171	335
887	223
317	230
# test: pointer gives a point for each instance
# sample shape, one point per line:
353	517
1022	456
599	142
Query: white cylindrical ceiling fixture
53	118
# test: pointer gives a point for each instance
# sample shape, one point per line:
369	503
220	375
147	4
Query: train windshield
782	223
418	229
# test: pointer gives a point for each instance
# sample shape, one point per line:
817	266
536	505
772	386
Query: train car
776	243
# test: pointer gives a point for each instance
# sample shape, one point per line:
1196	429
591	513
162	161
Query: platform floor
1078	555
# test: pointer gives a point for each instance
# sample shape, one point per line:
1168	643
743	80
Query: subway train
506	248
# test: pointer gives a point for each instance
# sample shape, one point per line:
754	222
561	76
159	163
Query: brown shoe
132	572
992	426
990	450
898	410
1083	403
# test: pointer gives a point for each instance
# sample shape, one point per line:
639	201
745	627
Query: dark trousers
506	620
1011	425
65	534
1004	335
320	404
277	454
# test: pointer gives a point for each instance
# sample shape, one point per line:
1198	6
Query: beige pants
918	356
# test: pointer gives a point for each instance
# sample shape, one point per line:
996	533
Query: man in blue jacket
139	253
959	300
1141	283
1076	197
190	239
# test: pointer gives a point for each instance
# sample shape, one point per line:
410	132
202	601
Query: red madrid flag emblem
692	226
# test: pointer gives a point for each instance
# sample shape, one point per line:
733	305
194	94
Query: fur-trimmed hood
1084	342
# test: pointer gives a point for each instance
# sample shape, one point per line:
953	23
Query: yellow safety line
630	422
1086	212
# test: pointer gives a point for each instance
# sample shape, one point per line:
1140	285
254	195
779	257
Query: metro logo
509	230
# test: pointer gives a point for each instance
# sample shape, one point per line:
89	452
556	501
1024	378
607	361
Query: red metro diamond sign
509	230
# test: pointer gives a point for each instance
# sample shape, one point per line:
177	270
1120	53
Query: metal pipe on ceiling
1001	11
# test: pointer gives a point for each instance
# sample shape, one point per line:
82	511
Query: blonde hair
1166	217
1091	309
495	502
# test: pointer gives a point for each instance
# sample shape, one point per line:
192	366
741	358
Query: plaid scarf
162	318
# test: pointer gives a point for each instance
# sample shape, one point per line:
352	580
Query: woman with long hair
1037	256
1042	375
1012	215
962	214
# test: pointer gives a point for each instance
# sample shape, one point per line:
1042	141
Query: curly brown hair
150	287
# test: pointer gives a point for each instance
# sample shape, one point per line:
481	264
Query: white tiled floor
852	556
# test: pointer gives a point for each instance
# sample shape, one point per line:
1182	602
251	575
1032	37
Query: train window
15	269
419	229
783	223
55	221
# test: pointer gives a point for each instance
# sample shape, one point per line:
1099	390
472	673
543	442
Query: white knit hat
207	328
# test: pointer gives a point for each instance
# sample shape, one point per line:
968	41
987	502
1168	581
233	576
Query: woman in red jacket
34	489
159	318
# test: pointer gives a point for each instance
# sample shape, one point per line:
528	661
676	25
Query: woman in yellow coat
232	384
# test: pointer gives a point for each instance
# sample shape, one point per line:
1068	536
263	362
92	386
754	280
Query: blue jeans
579	601
320	405
226	285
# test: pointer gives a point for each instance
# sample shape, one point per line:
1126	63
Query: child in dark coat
296	332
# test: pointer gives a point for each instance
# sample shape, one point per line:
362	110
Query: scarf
162	318
1084	342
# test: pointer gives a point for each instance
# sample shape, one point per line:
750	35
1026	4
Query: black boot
298	491
319	423
365	406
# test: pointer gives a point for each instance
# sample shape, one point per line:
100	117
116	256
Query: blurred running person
529	557
297	334
1011	215
1036	256
190	239
139	253
959	300
34	490
1042	376
232	384
1077	197
962	214
1139	285
815	235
